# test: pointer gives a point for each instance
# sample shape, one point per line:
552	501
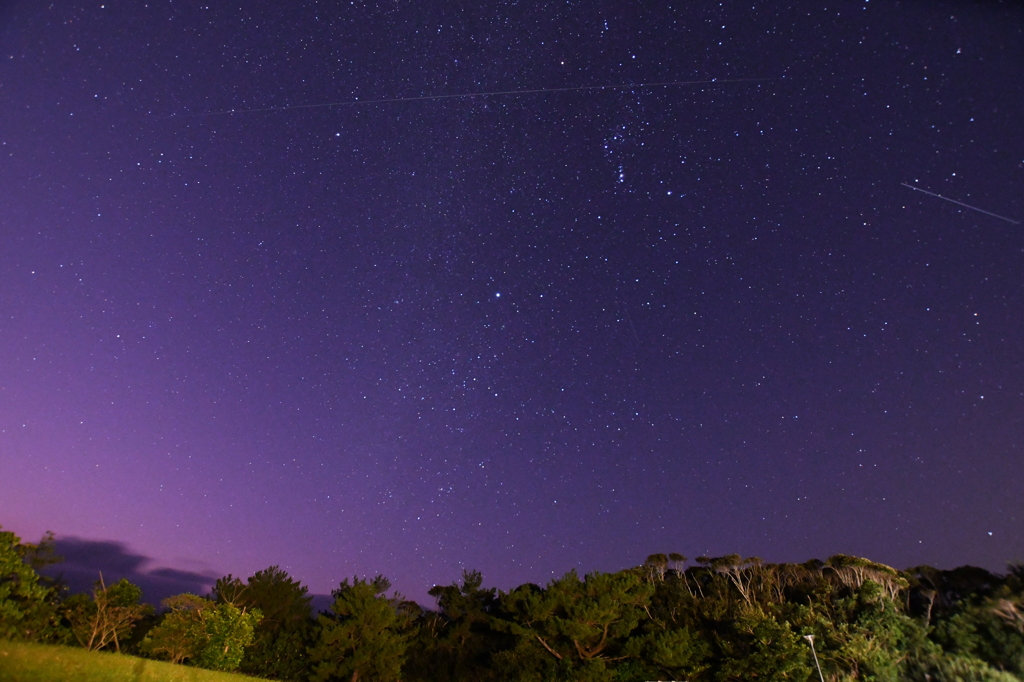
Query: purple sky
520	333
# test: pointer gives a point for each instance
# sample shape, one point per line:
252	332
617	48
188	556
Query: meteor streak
389	100
960	203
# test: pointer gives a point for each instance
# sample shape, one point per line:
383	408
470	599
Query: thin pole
810	638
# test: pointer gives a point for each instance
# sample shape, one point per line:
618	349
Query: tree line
713	619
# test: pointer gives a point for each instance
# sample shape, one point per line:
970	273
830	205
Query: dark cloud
85	559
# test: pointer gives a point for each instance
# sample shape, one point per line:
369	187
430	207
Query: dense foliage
22	597
287	629
720	619
210	634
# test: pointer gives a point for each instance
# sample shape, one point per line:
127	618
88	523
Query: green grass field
21	662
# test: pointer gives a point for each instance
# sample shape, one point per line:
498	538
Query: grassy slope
41	663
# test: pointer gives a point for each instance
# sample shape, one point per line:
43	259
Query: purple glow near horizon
518	333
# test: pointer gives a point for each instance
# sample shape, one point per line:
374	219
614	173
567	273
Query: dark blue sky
520	333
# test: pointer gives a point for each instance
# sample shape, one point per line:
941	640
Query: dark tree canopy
722	619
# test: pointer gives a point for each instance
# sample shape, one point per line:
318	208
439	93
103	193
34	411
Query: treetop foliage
718	619
23	597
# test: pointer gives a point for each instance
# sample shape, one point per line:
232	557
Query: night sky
375	322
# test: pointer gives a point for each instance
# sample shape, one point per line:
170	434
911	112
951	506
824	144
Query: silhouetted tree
206	633
283	636
366	636
575	629
27	603
109	617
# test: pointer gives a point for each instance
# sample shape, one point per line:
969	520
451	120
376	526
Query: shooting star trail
960	203
358	102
